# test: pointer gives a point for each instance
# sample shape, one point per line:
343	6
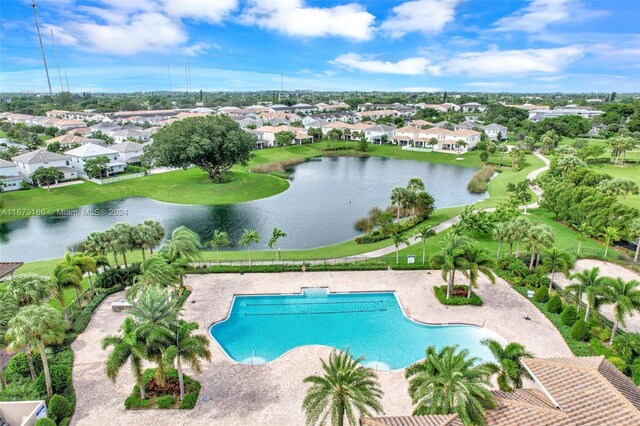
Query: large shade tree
212	143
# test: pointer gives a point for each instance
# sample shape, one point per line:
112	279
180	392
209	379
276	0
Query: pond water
326	197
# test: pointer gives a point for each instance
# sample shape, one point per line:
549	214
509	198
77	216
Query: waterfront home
79	157
268	134
128	152
32	161
473	107
375	133
493	130
447	140
10	179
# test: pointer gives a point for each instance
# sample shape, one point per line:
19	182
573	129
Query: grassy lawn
627	172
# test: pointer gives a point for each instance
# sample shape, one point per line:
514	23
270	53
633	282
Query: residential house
465	125
128	152
268	134
332	106
137	134
377	114
10	179
345	128
540	114
447	140
473	107
32	161
493	130
303	108
375	133
67	141
420	123
79	157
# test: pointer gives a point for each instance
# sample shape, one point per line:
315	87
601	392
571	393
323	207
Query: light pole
44	58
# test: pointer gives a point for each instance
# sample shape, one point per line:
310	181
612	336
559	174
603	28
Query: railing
382	261
73	310
114	179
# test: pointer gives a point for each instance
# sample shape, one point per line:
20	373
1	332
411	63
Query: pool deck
272	394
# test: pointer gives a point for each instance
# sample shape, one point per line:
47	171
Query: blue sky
419	45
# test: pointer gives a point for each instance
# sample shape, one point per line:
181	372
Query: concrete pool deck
272	393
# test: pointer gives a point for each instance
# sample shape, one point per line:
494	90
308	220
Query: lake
324	200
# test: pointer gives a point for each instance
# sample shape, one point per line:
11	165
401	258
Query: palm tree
593	285
414	186
451	258
554	260
344	389
28	289
609	234
96	244
249	236
508	363
128	346
424	233
450	381
188	347
478	261
36	326
398	239
86	264
220	239
398	199
273	242
154	306
625	296
183	244
155	271
65	277
500	232
121	238
584	230
9	310
538	237
633	232
155	233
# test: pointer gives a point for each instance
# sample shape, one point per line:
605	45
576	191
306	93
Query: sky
363	45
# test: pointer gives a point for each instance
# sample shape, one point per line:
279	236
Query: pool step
316	292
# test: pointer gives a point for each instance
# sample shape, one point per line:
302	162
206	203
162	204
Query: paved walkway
608	270
272	394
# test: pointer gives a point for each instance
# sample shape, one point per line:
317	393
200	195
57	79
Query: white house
32	161
10	179
79	157
473	107
266	135
374	134
492	130
128	152
444	139
120	136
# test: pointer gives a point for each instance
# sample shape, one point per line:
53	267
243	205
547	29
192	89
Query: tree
275	236
219	239
554	260
153	306
451	258
398	239
633	231
619	187
64	277
508	363
95	167
398	198
28	289
284	138
625	296
521	192
538	238
449	381
127	346
36	326
423	234
248	237
155	233
155	271
213	143
593	285
345	389
609	234
86	264
184	244
584	231
121	237
188	348
500	232
47	176
478	261
414	186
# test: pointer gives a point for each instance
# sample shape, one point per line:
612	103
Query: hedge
569	315
441	295
580	330
541	295
555	304
59	407
372	265
45	422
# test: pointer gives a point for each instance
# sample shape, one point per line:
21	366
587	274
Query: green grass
627	172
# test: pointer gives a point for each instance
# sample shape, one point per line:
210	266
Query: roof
430	420
494	126
39	156
68	139
8	267
90	150
5	163
127	146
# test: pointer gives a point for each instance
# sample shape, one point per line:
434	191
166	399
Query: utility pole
281	88
67	80
55	51
169	74
44	58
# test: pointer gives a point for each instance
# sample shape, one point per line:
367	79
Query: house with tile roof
128	152
31	161
10	179
79	157
492	130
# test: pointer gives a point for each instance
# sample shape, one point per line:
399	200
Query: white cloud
488	84
514	62
420	89
427	16
292	18
539	14
198	48
212	11
409	66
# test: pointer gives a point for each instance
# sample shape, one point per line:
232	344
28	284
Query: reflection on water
324	200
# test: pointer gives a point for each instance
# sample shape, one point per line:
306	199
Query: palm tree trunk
606	250
45	368
537	258
218	256
115	259
579	299
124	257
424	252
499	248
553	275
340	419
397	255
452	276
250	264
151	250
78	299
65	317
32	370
140	381
518	248
1	379
613	332
579	247
510	248
588	312
144	257
533	257
90	283
180	378
635	258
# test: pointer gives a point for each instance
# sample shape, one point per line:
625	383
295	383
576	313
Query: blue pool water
262	328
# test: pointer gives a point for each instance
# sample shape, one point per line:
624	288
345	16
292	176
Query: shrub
65	422
60	379
541	295
113	277
579	330
165	401
555	304
618	363
18	367
458	297
45	422
134	402
569	315
20	390
600	333
189	401
479	182
59	407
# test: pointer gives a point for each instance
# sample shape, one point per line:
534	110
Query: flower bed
164	396
458	296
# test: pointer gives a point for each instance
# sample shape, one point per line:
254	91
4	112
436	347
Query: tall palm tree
478	261
449	381
584	230
127	346
154	306
188	348
123	237
36	326
424	233
451	258
155	271
508	363
220	239
538	238
398	239
249	236
140	236
500	232
345	389
96	244
625	296
64	277
414	186
155	233
593	285
554	260
183	244
398	199
633	232
520	228
86	264
28	289
609	234
273	242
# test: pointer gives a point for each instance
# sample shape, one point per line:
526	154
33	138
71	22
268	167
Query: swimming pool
260	329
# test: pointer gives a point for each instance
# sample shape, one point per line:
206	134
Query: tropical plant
589	282
28	289
609	234
219	239
449	381
398	239
538	238
155	271
584	230
275	236
248	237
154	306
451	258
398	199
36	326
423	234
478	261
86	264
625	296
184	244
508	363
633	232
64	277
554	260
47	176
345	389
153	234
500	232
188	348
